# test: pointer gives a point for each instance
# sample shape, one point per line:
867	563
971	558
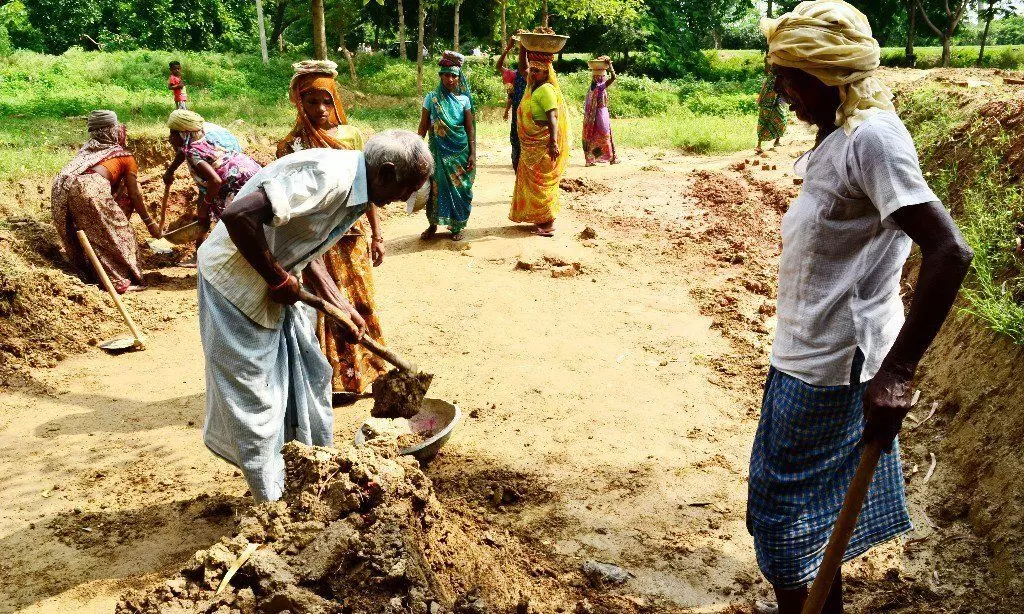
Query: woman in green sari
448	117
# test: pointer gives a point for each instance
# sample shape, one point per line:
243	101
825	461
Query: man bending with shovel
267	381
844	356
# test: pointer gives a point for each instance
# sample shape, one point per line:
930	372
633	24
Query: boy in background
177	85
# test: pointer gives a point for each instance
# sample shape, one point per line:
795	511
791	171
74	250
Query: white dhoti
264	388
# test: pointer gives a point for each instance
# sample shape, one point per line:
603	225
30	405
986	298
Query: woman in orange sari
544	138
321	122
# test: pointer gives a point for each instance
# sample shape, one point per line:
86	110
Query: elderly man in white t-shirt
844	356
267	382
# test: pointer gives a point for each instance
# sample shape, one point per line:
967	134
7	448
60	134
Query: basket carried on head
544	43
598	64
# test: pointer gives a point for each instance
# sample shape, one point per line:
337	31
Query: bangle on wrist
283	283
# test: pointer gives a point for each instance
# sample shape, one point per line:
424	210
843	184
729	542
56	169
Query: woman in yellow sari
543	134
321	122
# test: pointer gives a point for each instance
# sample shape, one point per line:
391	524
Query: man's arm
945	260
471	135
319	279
377	250
244	220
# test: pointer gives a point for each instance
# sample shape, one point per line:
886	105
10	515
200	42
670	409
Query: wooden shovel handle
371	344
84	240
843	529
163	206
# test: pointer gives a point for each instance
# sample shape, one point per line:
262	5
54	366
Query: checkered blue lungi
806	450
264	388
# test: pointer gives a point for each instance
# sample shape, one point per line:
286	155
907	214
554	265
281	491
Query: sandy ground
601	382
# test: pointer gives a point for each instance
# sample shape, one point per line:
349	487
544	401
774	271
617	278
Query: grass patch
44	100
965	156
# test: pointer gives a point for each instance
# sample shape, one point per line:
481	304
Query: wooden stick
843	529
163	207
140	341
333	312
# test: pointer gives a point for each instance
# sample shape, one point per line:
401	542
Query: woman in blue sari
447	117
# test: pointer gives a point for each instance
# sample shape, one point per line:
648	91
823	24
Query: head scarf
316	75
831	40
451	64
539	59
182	120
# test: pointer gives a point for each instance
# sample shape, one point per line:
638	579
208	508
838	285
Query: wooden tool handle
371	344
163	206
84	240
179	229
843	529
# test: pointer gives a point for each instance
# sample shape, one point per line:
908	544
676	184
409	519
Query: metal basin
435	420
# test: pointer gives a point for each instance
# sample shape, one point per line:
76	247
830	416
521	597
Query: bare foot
457	236
545	230
429	232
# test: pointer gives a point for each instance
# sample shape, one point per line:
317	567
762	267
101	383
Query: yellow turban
832	40
182	120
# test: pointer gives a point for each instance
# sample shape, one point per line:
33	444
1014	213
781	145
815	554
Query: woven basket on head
544	43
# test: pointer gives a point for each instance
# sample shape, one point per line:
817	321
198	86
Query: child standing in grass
177	85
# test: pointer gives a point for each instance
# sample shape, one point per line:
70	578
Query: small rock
797	181
588	233
475	413
597	572
522	265
564	271
584	607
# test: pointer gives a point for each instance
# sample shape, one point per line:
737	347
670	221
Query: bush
1007	57
6	47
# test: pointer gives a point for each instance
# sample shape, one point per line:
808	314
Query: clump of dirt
399	429
583	187
399	394
358	530
717	190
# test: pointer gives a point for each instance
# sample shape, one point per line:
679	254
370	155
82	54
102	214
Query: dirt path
609	386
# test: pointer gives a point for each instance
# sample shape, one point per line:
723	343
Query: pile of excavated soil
358	530
580	185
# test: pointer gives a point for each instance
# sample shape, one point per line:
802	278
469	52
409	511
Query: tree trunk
401	31
455	42
984	34
770	9
544	22
319	33
344	48
419	49
263	31
504	31
280	43
911	34
947	41
717	38
277	21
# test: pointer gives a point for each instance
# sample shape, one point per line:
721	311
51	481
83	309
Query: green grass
969	173
44	99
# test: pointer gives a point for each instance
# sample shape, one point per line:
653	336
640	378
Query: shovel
397	394
163	206
374	346
137	341
843	529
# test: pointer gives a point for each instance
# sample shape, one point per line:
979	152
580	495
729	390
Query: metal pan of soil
433	423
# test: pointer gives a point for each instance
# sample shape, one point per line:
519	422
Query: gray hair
406	150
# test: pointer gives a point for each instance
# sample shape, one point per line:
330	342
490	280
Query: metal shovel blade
121	345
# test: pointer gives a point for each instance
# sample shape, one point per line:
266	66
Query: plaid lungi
806	450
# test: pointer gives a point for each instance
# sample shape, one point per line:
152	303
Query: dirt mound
357	530
583	187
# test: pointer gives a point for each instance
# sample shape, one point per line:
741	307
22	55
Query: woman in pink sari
597	124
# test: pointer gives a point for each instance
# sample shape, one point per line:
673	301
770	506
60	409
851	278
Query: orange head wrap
304	129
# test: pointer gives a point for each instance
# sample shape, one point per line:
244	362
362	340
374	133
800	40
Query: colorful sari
535	199
451	190
233	167
771	114
597	125
353	367
81	200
